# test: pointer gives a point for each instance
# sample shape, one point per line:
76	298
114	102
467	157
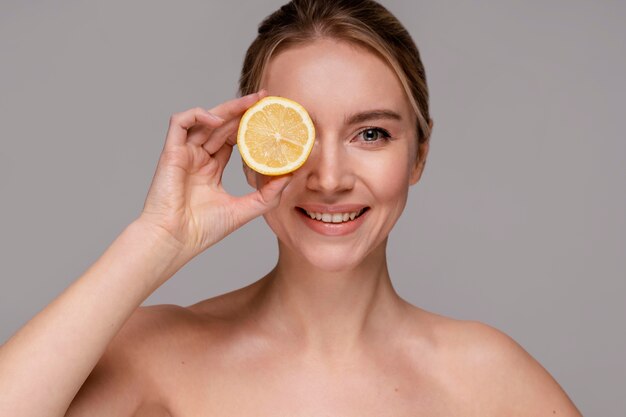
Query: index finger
181	123
236	107
229	111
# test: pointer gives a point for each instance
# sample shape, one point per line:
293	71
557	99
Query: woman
324	333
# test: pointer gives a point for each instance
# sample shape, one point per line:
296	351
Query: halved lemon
275	136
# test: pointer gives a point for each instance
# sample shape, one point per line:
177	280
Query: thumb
264	199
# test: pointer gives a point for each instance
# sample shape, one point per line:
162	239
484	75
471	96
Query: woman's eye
374	134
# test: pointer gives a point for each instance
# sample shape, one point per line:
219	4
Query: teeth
334	217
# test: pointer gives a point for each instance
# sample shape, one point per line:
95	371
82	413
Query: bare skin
324	333
428	365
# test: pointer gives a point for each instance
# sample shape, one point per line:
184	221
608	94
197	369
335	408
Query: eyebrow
372	115
368	115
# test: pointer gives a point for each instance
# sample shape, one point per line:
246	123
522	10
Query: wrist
161	236
155	244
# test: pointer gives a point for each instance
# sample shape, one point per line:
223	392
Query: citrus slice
275	136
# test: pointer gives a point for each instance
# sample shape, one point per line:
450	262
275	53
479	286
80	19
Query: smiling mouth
333	217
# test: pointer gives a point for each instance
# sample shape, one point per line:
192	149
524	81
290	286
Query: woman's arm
186	211
44	364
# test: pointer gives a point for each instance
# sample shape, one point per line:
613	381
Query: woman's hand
186	198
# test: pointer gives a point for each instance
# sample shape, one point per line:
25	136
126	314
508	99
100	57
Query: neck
330	312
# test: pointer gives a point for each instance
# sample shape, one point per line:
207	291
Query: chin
332	259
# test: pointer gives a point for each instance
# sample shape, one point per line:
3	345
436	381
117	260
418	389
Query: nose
328	167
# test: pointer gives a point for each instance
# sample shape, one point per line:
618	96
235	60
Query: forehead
332	79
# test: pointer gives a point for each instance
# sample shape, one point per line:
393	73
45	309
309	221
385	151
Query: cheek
389	177
394	196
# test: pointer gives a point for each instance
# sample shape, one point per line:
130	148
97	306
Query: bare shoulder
124	381
498	373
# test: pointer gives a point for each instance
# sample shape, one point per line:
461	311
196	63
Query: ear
422	153
250	175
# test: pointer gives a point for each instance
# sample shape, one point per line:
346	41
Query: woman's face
363	160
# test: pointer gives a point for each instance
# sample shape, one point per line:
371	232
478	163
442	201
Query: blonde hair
362	22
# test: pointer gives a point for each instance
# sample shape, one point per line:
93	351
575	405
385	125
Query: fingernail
215	117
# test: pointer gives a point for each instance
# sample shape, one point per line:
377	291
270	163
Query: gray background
518	221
